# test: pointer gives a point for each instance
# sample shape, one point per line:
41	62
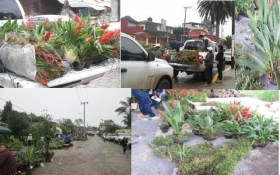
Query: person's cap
30	134
156	45
209	48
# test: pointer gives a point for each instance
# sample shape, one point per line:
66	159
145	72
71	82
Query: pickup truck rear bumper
71	79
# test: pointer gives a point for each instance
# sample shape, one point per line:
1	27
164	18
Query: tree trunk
217	30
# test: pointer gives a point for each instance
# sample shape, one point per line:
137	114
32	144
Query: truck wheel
164	84
203	75
175	73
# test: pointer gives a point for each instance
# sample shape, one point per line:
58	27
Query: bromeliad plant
188	57
174	116
266	38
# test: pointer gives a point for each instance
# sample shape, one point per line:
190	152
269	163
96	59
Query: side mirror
151	57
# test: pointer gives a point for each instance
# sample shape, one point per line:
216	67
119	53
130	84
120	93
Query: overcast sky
172	11
66	103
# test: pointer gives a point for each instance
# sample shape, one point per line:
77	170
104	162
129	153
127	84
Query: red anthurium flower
246	112
88	39
104	26
77	18
232	108
236	103
237	117
41	81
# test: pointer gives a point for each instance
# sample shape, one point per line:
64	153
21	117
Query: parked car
142	70
121	136
11	9
227	55
51	18
111	137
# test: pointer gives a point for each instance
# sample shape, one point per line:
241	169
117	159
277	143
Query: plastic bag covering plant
174	116
260	129
266	37
188	57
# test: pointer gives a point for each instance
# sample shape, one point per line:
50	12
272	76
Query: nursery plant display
50	49
245	128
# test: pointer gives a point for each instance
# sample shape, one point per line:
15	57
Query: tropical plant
230	127
242	6
174	116
30	157
188	57
216	11
266	38
126	111
228	41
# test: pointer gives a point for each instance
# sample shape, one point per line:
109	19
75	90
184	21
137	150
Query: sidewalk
143	160
111	79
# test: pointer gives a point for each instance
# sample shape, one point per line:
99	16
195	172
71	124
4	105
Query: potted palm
30	157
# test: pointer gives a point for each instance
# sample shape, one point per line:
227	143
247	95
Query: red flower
79	27
88	39
46	23
237	117
236	103
47	36
41	81
30	24
232	109
77	18
104	26
246	112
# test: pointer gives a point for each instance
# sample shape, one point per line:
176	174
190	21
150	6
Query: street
194	81
92	157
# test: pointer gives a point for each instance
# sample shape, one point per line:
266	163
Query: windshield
123	134
194	45
9	10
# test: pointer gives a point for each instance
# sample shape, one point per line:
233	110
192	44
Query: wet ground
258	162
194	81
92	157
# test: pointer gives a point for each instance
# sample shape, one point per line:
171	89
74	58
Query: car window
194	45
131	51
9	10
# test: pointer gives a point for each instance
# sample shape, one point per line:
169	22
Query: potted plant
48	155
180	138
230	128
30	157
173	116
164	126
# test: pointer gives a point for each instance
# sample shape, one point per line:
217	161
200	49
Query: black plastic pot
88	63
78	66
164	129
98	59
228	136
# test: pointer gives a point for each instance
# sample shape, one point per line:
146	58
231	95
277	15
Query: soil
88	157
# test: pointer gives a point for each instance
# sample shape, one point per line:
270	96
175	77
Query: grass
265	95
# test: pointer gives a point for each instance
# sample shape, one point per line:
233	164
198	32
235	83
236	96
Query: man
175	45
209	60
66	139
205	42
29	139
220	59
124	144
7	161
157	52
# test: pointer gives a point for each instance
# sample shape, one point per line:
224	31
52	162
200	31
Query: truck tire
175	73
203	76
164	84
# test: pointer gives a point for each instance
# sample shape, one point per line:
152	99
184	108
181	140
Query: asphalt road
194	81
92	157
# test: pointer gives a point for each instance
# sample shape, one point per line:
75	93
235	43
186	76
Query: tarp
85	3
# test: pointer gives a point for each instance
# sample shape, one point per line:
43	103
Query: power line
15	106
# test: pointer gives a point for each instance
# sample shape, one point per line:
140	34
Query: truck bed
71	79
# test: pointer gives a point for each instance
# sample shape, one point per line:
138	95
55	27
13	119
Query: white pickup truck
71	79
121	136
190	69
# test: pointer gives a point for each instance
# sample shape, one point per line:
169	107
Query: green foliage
174	116
125	111
163	140
84	138
7	108
265	95
247	80
228	41
30	156
205	159
266	38
17	122
242	6
79	121
9	26
17	145
111	128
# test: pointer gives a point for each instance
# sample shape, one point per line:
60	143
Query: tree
209	26
7	108
216	11
79	121
17	122
111	128
125	110
67	123
227	41
178	31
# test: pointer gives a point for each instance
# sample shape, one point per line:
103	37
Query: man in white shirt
29	139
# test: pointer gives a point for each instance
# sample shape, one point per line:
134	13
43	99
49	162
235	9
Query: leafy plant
242	6
174	116
266	38
17	145
188	57
230	127
30	156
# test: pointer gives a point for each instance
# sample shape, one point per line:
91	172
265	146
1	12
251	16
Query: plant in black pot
30	157
48	155
164	126
230	128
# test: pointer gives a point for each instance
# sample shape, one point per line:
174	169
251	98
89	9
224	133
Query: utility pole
84	103
189	7
232	36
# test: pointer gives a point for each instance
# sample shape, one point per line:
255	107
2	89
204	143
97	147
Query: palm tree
228	41
125	110
216	11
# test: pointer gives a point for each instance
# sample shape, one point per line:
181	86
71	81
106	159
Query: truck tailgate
72	78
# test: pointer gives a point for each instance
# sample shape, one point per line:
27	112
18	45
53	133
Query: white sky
65	103
172	11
